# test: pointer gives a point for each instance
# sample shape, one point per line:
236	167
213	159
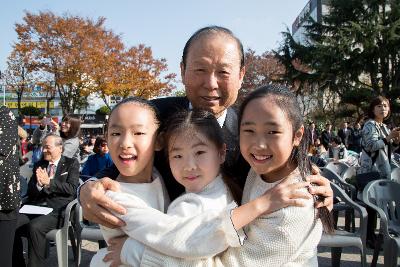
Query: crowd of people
188	181
368	145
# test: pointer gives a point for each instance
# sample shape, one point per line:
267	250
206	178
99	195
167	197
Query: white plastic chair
85	232
395	175
60	236
341	238
338	167
383	197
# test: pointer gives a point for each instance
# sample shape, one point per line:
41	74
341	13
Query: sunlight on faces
381	111
194	160
266	139
65	126
212	76
131	138
104	148
51	151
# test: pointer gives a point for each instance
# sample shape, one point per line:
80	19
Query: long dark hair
287	102
203	122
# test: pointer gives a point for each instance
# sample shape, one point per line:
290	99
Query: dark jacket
345	136
62	188
9	167
235	166
326	139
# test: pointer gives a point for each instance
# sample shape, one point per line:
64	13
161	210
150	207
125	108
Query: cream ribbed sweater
287	237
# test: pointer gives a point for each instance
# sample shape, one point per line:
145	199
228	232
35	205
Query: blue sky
165	25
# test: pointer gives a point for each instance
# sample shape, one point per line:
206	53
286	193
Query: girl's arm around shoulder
178	233
280	196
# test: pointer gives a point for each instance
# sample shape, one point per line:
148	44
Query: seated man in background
53	183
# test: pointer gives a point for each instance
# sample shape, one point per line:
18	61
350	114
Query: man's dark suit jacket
235	166
62	188
326	139
345	136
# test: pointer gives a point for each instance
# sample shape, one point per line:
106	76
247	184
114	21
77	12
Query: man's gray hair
57	139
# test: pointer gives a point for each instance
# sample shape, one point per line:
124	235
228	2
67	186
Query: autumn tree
19	75
81	56
141	74
260	70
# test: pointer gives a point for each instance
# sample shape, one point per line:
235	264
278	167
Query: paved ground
350	257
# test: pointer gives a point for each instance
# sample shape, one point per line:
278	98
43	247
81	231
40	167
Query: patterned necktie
52	168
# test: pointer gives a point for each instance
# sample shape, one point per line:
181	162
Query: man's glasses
103	145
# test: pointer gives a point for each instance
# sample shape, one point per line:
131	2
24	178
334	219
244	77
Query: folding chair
341	238
60	236
337	167
383	197
85	231
395	175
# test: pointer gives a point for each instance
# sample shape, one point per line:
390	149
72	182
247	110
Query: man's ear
159	142
182	72
241	75
298	135
222	154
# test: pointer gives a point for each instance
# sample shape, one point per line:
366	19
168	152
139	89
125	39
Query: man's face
212	76
51	151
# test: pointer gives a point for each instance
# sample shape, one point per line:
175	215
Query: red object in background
24	147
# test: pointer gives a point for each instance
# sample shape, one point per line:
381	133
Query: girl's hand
322	189
115	247
285	194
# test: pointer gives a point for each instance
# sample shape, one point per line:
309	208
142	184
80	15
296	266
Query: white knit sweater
144	195
287	237
185	230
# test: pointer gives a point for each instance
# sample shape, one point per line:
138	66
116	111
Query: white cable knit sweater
287	237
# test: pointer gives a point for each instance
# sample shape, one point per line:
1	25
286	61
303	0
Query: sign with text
36	104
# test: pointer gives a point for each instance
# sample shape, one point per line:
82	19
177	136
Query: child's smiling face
194	160
131	137
266	138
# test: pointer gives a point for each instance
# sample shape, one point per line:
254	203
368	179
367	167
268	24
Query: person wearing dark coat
326	136
345	134
9	184
356	137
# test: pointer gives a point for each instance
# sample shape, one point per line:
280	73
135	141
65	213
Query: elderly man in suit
53	183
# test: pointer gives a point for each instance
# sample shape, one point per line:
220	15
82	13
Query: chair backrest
342	196
395	175
384	194
350	172
339	181
330	175
338	167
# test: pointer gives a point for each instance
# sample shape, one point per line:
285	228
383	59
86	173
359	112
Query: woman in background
69	132
377	140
